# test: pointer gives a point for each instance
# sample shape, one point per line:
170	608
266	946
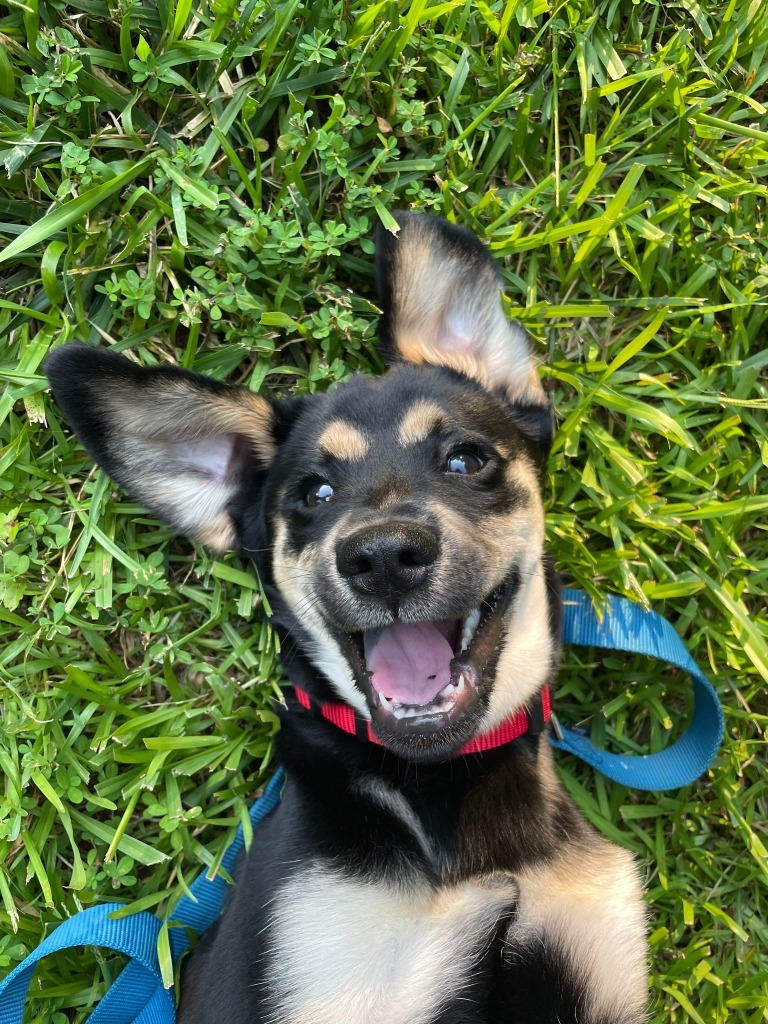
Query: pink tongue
411	661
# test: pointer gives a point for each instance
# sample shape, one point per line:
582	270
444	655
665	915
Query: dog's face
403	514
406	516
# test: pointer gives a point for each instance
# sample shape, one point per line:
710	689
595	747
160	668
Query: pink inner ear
209	455
456	337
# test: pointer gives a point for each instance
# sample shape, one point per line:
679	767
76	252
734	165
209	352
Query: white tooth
446	690
470	625
399	713
386	702
460	685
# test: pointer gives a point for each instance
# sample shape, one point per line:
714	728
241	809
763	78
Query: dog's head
400	518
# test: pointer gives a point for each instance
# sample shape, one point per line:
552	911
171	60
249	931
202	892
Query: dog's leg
576	951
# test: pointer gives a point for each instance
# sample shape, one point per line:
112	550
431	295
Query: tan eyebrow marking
419	422
342	440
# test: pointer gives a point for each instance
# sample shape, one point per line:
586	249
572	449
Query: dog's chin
422	715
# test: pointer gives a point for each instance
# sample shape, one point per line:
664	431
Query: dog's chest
374	952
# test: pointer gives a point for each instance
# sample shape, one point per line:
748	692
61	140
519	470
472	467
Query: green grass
190	183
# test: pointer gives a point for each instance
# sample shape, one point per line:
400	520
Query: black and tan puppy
402	880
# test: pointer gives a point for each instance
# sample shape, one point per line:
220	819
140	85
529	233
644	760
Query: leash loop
138	996
143	1000
628	627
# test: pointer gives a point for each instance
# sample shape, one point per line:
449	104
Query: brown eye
465	462
318	492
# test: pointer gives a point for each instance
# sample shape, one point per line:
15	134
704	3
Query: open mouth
427	677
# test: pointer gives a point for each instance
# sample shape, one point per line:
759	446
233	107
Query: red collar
526	721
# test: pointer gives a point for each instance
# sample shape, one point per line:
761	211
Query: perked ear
440	293
178	442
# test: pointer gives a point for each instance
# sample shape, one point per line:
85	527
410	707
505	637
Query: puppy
424	865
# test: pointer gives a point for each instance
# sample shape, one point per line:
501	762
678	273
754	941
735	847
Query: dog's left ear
184	445
440	294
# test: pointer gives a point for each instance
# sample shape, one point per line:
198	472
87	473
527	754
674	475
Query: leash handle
142	1000
627	626
138	995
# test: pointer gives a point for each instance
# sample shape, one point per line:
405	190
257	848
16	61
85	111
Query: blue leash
138	995
627	627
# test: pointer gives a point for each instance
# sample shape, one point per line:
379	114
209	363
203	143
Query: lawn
199	183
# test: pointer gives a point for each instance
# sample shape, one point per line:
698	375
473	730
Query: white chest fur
347	951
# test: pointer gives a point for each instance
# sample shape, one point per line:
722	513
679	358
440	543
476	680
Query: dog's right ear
440	294
177	441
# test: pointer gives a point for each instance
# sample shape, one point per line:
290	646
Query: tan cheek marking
527	652
294	577
507	534
292	573
343	441
522	529
418	423
460	538
496	541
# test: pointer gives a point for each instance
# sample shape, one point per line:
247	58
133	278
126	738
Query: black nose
388	561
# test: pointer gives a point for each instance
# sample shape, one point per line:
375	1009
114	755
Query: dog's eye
464	461
318	492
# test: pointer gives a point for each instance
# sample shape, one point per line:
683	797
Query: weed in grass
199	183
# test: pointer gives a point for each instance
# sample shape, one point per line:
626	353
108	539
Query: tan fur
588	905
385	498
294	578
525	661
158	430
523	477
195	506
545	769
419	422
342	440
414	349
400	949
516	537
218	533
